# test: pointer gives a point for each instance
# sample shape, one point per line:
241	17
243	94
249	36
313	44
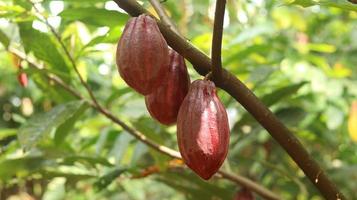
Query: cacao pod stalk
142	55
164	103
202	129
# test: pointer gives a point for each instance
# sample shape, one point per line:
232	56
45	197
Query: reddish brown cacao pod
202	129
244	194
142	55
22	78
164	103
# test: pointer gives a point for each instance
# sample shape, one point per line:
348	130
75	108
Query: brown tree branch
217	39
250	102
163	16
140	136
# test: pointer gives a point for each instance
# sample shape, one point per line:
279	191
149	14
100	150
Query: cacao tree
96	99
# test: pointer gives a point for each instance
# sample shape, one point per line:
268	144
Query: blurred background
299	57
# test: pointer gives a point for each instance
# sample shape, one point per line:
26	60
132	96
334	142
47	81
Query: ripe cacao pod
142	55
22	78
202	129
244	194
164	103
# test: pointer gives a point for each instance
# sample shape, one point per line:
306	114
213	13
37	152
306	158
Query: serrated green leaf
41	125
102	17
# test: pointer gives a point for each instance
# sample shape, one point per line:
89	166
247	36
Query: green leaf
23	3
22	166
102	17
345	5
4	39
112	36
304	3
70	160
64	129
41	125
53	92
242	54
250	33
69	175
84	1
7	132
269	100
291	116
281	93
43	48
194	186
15	13
121	146
108	178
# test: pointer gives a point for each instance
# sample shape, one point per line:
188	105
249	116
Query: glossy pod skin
142	55
203	129
164	103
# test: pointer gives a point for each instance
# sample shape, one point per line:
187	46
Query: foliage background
300	60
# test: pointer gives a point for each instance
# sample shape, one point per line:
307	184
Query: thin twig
251	103
141	137
71	59
163	16
217	38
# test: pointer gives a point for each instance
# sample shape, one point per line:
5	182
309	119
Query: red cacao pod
142	55
202	129
164	103
244	194
22	78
